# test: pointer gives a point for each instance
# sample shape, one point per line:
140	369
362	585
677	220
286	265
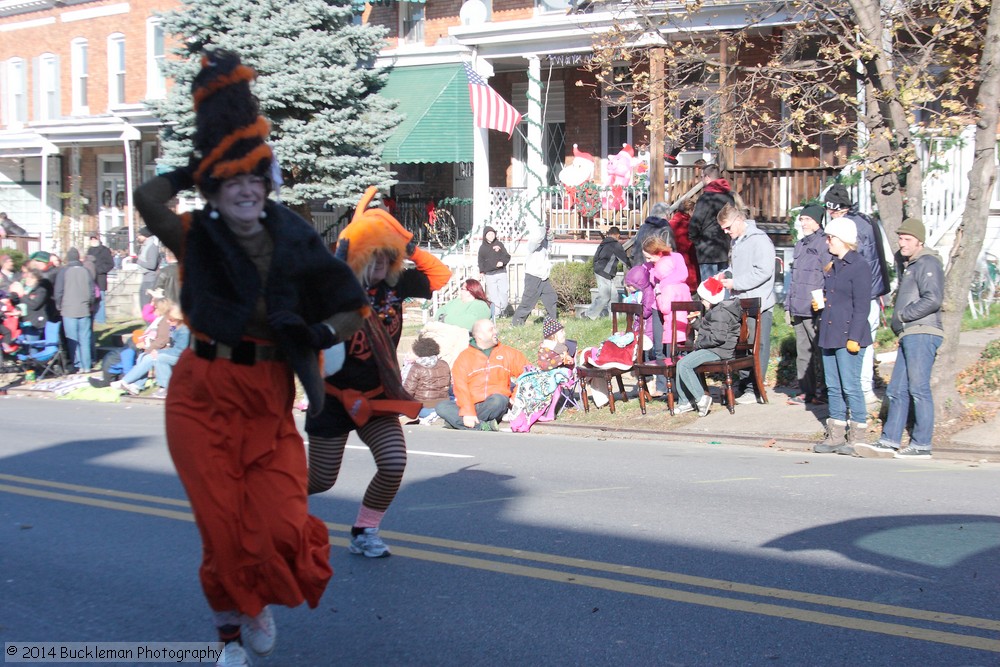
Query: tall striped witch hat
230	134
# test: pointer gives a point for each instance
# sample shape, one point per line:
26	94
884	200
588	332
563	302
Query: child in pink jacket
669	276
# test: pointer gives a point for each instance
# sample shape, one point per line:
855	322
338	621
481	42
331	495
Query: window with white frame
79	72
697	83
16	98
156	81
48	87
116	70
411	22
553	102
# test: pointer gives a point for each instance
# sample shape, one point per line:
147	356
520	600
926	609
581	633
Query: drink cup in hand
818	299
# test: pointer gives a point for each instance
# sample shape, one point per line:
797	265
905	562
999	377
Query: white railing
946	163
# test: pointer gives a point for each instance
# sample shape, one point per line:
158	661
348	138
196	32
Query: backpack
111	368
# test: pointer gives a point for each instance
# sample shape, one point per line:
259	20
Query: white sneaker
683	406
233	655
131	389
704	405
261	632
747	398
429	419
369	543
117	384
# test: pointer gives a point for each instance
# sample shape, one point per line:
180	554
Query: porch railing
769	193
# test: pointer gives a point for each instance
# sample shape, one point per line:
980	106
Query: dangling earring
263	214
213	214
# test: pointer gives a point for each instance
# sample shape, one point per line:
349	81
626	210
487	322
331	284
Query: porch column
537	176
481	201
129	135
45	209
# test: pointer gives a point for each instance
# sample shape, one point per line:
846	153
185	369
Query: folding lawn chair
45	356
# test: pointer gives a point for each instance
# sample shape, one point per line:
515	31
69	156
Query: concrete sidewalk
778	424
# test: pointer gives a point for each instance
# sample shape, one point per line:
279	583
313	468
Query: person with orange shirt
482	379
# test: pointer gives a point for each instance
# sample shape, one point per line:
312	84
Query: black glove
291	327
342	248
411	247
181	179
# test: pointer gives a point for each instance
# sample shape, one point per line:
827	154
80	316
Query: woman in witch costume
262	294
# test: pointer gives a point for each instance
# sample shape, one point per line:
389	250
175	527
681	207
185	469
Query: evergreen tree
317	84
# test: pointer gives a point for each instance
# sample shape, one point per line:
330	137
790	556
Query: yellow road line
689	580
731	604
626	587
97	502
96	491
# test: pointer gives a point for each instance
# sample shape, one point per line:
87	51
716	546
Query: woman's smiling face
240	201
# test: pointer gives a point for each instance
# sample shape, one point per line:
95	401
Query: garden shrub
572	282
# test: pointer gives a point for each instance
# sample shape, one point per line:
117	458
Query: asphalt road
514	549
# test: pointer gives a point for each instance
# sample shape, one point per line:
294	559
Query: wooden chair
666	367
624	318
746	356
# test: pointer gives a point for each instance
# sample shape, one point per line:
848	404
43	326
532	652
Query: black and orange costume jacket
220	284
360	371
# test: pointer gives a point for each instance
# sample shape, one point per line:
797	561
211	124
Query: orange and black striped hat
230	134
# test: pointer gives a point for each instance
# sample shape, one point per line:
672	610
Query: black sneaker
874	450
912	452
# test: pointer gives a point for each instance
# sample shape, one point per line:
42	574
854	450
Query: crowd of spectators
72	292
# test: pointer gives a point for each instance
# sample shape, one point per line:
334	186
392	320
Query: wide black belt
245	353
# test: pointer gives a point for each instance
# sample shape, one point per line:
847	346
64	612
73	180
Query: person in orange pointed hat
366	394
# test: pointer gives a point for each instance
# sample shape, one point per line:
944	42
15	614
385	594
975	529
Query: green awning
438	118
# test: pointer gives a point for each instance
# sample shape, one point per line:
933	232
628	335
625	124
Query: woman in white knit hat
843	335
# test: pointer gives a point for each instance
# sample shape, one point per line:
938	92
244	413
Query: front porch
768	194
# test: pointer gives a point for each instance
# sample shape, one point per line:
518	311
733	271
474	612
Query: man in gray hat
74	297
916	319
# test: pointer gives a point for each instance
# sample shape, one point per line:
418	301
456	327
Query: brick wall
583	113
56	36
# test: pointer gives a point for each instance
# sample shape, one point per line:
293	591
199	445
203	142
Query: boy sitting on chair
716	333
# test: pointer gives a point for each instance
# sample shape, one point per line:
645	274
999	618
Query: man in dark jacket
711	244
811	254
168	277
104	264
493	261
41	261
606	259
75	296
870	246
916	319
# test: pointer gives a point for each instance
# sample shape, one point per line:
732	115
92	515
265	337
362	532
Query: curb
801	442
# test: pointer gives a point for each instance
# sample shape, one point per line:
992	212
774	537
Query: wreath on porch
588	199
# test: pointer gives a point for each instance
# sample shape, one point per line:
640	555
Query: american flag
488	108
